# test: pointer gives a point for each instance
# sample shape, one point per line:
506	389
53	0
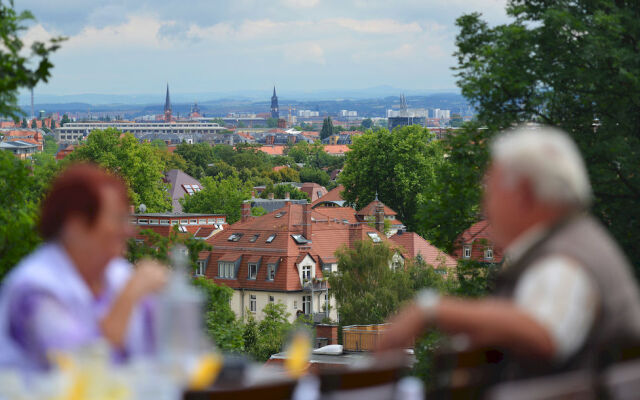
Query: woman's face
109	233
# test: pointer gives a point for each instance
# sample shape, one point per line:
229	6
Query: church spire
275	112
167	106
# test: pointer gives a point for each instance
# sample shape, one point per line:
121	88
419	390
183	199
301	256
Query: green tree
198	157
327	128
367	123
18	212
50	146
272	123
456	120
267	337
279	192
397	166
17	69
574	65
258	211
285	175
220	321
309	174
158	143
367	290
219	195
53	124
65	120
450	202
139	164
24	123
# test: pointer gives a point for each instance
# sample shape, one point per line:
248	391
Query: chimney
246	211
379	213
132	209
306	221
287	196
271	196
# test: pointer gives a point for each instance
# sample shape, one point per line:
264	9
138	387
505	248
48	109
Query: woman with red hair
76	288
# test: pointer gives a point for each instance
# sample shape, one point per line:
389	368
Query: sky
197	46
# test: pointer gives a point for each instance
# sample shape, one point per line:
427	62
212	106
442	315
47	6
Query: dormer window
270	238
254	238
253	270
234	237
466	251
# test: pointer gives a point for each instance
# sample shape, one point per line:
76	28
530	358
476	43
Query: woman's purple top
45	305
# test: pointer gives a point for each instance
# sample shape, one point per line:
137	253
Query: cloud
300	3
377	26
304	53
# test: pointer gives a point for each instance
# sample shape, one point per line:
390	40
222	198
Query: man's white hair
549	159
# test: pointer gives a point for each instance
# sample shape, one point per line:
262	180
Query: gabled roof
331	229
479	230
314	190
333	196
370	209
415	245
177	179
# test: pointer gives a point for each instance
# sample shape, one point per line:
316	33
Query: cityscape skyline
128	48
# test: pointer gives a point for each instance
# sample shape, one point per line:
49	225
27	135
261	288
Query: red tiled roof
312	189
370	209
204	232
279	167
479	236
328	233
333	195
336	148
272	150
414	244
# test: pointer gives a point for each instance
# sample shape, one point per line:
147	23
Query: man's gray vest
617	322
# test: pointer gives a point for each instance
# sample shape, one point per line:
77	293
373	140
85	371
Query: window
271	299
306	272
270	238
253	271
226	270
153	222
271	272
295	304
466	251
280	214
234	237
164	222
252	303
174	222
184	222
211	221
143	221
201	266
306	304
488	253
133	221
193	222
300	239
220	220
254	238
202	222
374	237
182	229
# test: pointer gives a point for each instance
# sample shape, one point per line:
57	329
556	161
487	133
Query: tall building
167	107
404	117
274	105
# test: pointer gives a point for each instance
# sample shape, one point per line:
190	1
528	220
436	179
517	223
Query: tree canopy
17	68
397	166
139	164
574	65
219	195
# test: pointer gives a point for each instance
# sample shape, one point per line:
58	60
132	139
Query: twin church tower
275	113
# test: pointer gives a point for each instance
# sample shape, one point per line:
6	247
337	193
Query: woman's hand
149	276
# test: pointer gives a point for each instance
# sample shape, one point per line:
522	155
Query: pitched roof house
417	247
476	243
282	256
181	184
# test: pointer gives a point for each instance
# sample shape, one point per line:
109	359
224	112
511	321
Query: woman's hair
77	191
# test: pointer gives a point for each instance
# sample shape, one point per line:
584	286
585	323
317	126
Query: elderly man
566	293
